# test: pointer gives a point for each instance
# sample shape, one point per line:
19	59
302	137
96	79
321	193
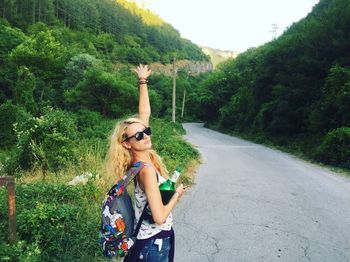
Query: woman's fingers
181	190
143	71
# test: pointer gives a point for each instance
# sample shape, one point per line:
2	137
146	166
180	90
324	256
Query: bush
335	148
92	125
47	142
9	115
55	223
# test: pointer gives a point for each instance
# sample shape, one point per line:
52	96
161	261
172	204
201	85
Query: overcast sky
230	24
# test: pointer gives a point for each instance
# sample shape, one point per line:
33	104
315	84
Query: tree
75	69
45	57
105	93
10	38
332	110
24	89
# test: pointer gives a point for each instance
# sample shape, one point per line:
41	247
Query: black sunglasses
139	135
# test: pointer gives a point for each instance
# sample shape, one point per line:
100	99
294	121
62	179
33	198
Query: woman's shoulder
147	170
148	173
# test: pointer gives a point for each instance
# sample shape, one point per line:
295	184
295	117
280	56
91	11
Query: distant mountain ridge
218	55
191	67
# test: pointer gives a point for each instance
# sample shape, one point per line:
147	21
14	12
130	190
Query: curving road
252	203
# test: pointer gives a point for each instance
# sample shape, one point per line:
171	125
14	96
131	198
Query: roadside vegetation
60	222
66	78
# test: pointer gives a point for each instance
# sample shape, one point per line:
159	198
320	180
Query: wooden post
9	182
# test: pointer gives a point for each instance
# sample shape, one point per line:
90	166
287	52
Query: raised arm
144	106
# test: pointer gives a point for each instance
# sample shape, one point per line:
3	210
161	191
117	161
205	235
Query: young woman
131	143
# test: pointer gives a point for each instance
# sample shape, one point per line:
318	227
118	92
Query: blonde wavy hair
119	158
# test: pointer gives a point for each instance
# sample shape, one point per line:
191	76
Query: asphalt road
252	203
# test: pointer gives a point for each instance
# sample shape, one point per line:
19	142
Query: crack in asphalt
203	235
306	253
307	240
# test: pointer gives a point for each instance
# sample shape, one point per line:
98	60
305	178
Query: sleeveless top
148	230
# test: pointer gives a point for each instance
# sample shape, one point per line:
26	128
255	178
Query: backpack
117	217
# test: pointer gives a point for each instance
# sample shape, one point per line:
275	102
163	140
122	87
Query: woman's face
138	145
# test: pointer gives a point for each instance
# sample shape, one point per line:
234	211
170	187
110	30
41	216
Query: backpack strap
129	175
139	223
133	171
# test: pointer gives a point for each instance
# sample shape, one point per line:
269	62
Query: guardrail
9	182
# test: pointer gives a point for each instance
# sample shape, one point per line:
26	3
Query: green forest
293	92
66	77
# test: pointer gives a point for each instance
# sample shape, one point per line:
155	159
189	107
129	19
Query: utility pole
174	90
184	97
183	104
274	31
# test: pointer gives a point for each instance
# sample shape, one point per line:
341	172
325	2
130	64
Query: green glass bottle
167	188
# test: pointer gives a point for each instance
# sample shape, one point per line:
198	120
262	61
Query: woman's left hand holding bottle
180	191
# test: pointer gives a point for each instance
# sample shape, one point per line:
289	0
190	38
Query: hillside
217	55
63	48
292	92
140	34
190	67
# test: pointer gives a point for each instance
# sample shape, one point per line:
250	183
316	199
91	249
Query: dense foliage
125	32
66	76
293	91
58	222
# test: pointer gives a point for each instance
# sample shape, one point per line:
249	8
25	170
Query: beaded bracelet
143	81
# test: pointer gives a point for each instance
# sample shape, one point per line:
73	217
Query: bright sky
234	25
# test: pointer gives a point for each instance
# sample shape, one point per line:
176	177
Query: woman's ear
126	145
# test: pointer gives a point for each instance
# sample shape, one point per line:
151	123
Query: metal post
174	91
9	182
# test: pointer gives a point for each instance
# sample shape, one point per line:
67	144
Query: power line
274	31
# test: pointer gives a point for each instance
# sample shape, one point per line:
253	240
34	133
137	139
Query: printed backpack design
117	217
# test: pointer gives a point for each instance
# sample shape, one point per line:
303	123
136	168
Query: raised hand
144	105
142	71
